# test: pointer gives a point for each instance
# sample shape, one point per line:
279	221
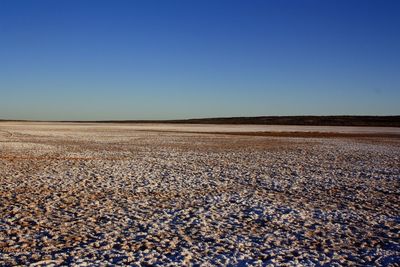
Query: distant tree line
385	121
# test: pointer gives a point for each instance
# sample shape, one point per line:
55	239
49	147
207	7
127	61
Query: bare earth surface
108	194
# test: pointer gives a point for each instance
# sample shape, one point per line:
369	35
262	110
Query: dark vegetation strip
383	121
393	121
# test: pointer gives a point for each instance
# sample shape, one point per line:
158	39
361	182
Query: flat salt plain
165	194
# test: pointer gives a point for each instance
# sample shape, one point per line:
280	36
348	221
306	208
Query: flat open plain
159	194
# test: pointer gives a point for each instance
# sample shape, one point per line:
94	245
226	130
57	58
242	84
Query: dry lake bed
203	195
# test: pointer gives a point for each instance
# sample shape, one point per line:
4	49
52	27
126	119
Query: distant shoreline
379	121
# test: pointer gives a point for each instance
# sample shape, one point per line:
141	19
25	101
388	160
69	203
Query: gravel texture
103	195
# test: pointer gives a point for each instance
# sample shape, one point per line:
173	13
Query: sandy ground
201	127
109	194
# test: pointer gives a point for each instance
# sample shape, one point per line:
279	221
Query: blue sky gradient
102	60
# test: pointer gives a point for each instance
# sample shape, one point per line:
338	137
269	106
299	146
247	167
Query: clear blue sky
89	60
